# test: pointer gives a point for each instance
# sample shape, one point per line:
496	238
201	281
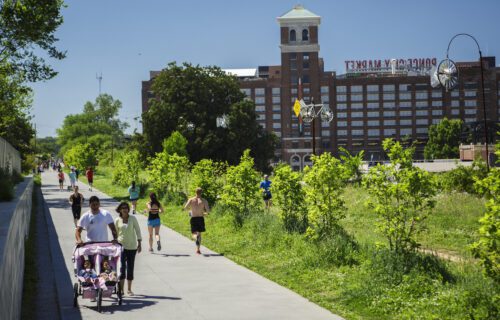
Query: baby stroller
91	285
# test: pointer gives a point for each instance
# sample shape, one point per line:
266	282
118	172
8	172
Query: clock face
447	74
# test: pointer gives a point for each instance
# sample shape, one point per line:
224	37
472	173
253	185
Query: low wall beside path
14	228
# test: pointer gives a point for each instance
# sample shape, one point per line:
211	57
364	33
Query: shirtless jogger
199	208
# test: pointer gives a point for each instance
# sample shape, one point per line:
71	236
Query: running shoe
159	246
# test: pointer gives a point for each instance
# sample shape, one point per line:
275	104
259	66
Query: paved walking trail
174	283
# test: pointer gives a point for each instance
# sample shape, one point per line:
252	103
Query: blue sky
126	39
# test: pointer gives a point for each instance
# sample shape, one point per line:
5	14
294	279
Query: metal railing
10	158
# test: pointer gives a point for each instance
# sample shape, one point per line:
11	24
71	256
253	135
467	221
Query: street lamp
446	74
308	113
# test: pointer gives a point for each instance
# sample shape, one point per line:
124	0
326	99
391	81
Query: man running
95	222
90	177
199	208
265	186
76	201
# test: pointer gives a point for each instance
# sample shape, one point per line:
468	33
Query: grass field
369	285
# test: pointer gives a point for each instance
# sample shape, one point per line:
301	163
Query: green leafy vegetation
444	139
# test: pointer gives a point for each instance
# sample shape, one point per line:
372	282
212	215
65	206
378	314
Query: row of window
403	113
376	123
376	132
385	88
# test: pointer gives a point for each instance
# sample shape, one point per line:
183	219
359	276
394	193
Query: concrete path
174	283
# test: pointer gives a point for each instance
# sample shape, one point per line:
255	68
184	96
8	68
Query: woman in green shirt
129	235
134	191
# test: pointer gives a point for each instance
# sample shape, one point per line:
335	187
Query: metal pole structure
482	89
314	136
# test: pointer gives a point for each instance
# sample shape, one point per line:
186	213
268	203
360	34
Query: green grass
368	286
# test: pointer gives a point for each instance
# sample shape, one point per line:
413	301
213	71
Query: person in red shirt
60	177
90	177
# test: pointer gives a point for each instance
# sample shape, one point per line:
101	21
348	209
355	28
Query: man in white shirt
95	222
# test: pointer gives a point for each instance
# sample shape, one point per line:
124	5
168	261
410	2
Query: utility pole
99	78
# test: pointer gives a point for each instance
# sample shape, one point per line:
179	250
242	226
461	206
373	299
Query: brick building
373	100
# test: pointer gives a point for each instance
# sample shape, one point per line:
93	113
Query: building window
455	112
356	97
357	132
405	96
389	88
260	91
389	122
276	91
422	104
373	132
261	116
405	122
325	133
260	108
341	97
389	113
372	105
389	96
356	89
305	35
389	132
469	120
341	123
389	105
247	92
305	64
437	94
422	122
422	112
342	115
436	121
260	100
469	93
373	123
421	95
293	35
277	133
305	78
276	108
470	111
372	88
276	116
356	114
276	125
341	89
373	114
356	106
372	96
324	89
422	130
357	123
470	103
404	87
455	93
437	103
342	132
276	99
437	112
325	124
405	113
455	103
325	99
341	106
306	90
405	104
405	132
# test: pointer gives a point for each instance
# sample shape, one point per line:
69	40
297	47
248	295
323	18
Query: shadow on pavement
173	255
129	303
208	255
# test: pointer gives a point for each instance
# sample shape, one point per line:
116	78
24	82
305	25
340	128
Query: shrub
290	198
207	175
168	174
352	165
402	197
81	156
462	178
126	168
6	185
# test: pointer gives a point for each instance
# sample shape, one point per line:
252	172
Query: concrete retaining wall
14	227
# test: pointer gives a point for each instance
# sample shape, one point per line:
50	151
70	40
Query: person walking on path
198	209
60	177
72	178
95	222
265	186
90	177
133	192
154	210
76	201
129	235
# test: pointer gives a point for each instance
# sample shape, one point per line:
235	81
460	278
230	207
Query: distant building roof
242	73
299	13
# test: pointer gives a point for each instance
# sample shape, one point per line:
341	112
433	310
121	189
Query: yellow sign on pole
296	107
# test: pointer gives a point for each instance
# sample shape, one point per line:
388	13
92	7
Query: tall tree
27	26
444	139
98	125
189	99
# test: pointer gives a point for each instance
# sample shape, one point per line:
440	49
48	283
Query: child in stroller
108	275
87	275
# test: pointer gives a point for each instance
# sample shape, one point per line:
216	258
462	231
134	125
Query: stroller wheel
75	294
119	291
99	300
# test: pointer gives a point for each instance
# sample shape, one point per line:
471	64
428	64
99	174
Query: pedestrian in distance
96	221
265	186
199	208
90	177
76	201
154	209
133	192
60	177
72	178
129	235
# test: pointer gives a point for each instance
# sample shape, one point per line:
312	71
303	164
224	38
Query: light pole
309	113
447	75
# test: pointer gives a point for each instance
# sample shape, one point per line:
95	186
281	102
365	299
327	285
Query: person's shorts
154	223
90	180
135	199
61	181
267	195
77	211
197	224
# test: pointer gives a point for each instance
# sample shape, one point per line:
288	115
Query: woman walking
154	210
129	235
76	201
133	192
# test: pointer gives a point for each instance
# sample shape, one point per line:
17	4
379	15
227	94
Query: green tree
126	168
189	99
81	156
47	145
289	195
401	195
175	144
27	28
487	248
98	125
352	164
240	194
208	175
444	139
324	184
167	174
